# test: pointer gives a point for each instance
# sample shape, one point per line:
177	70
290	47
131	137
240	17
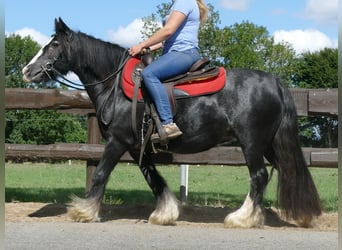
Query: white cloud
322	11
240	5
35	35
305	40
129	35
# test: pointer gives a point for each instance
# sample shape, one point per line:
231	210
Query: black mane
91	51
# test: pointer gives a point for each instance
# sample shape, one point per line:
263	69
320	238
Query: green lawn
208	185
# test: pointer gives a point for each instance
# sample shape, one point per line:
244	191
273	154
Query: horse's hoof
305	222
233	221
84	210
247	216
80	216
167	211
159	218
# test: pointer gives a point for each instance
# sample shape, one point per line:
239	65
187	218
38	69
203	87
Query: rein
49	67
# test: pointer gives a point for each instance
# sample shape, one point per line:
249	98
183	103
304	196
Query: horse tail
297	195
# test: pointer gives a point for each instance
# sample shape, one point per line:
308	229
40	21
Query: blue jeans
166	66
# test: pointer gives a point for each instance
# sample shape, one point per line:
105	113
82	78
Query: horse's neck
95	60
96	89
96	65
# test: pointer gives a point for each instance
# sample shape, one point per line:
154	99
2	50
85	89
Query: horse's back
243	79
253	90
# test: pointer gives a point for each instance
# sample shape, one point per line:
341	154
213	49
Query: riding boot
172	131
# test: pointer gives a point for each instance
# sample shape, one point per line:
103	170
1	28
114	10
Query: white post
184	173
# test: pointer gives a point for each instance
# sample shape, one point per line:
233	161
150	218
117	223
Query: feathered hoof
167	211
248	216
159	217
234	221
305	221
84	210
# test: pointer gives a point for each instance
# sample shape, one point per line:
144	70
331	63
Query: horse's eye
54	44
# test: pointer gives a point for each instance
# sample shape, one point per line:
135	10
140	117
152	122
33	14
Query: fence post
94	137
184	173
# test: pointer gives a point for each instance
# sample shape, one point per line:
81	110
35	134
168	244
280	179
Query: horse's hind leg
166	212
251	212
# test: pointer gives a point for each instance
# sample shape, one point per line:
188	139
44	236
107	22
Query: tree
45	127
209	36
318	70
18	52
246	45
34	126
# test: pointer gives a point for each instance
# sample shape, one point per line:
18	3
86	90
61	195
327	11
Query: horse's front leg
87	210
166	212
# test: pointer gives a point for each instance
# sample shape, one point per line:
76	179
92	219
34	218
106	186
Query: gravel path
127	235
45	226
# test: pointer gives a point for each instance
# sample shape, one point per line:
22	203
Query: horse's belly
201	141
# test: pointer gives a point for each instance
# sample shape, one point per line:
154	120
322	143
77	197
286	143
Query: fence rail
319	157
308	102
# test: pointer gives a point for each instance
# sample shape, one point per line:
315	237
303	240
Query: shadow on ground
194	214
137	205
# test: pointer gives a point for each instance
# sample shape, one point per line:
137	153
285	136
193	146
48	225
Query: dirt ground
190	215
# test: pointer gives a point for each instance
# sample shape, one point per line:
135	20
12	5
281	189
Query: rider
179	39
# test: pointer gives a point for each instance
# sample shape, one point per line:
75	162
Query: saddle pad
194	88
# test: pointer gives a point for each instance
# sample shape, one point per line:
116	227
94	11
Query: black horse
253	106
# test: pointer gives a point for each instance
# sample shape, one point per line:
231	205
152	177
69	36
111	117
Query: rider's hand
136	50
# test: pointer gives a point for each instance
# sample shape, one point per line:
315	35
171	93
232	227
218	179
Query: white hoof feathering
247	216
305	221
166	212
84	210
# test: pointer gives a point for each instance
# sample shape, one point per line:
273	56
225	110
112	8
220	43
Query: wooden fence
319	157
309	102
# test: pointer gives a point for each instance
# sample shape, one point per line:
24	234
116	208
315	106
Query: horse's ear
61	27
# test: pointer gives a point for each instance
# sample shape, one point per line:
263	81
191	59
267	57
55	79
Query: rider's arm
156	46
175	20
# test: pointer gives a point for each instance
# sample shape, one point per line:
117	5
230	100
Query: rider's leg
167	66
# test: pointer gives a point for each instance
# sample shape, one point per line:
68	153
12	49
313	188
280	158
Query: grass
208	185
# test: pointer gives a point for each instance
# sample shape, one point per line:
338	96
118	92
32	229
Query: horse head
52	58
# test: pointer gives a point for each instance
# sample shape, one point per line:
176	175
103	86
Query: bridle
49	68
107	92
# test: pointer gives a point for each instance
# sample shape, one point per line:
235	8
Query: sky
309	25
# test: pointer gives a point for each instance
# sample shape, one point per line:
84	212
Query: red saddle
196	87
